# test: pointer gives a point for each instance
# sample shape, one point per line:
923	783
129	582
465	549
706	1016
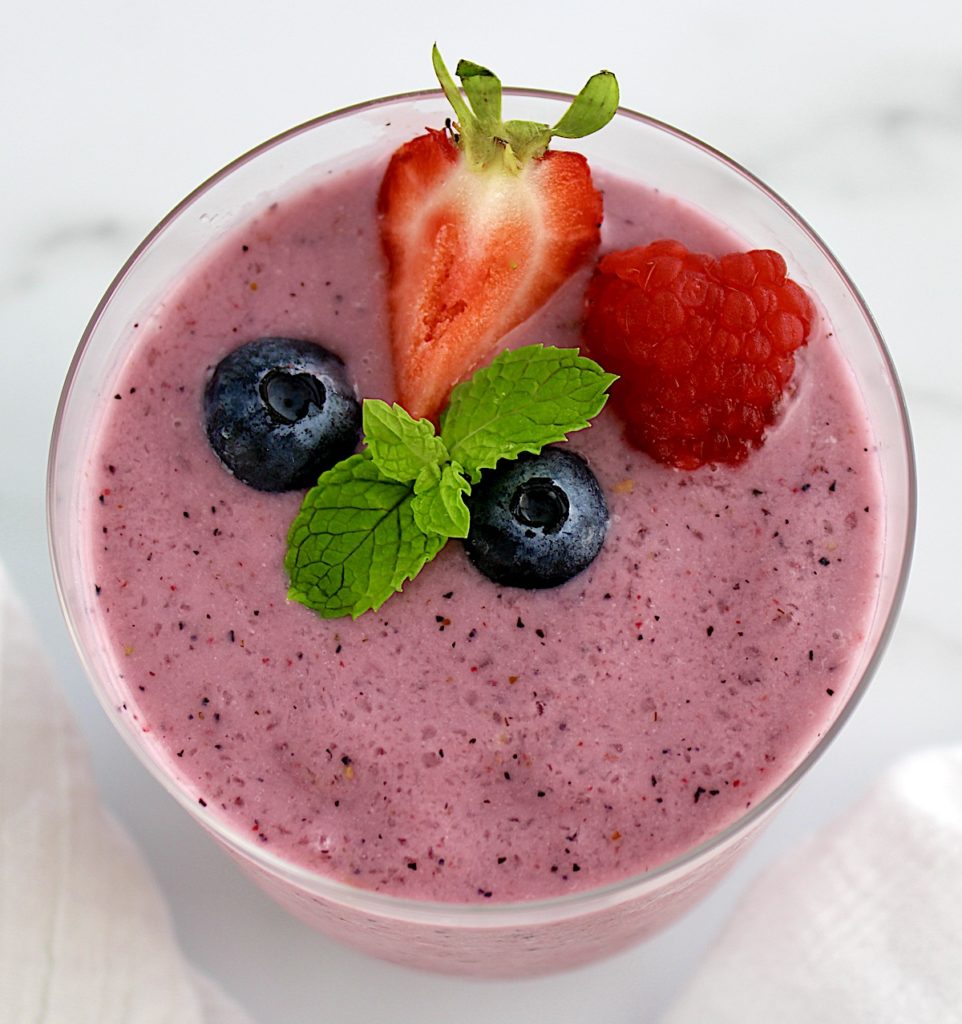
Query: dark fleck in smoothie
466	742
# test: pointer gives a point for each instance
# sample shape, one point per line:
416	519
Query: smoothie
469	743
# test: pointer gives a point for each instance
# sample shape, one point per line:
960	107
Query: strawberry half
480	225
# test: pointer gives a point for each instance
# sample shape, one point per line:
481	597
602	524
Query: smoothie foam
466	742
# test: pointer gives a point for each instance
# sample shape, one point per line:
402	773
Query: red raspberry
704	347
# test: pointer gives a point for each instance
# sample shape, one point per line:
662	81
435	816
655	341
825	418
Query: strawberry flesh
471	254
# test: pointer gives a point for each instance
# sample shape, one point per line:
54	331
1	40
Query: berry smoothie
469	742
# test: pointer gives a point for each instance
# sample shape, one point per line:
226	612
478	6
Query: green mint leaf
429	477
591	109
355	540
525	399
438	504
400	446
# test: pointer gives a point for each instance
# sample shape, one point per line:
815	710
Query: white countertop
112	111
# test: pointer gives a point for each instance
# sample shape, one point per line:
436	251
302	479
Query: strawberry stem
488	142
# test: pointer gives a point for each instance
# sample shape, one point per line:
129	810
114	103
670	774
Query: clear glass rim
515	912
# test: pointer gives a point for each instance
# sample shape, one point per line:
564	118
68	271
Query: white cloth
85	935
861	924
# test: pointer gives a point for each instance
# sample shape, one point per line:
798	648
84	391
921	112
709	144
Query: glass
499	939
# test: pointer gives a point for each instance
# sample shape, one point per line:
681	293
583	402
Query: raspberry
704	347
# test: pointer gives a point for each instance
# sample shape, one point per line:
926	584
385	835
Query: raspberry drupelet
704	347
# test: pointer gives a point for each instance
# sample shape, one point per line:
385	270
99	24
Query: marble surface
112	111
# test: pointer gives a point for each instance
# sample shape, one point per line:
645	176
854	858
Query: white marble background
111	110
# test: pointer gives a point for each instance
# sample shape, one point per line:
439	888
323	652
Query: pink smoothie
470	743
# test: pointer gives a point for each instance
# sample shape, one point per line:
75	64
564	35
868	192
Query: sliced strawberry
479	228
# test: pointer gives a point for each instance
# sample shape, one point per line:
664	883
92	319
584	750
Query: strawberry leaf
527	138
483	89
591	109
461	109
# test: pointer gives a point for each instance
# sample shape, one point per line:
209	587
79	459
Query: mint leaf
438	504
525	399
355	540
400	446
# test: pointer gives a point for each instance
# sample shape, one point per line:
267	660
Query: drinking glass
502	939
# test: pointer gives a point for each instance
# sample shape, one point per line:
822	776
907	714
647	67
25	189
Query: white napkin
861	924
85	935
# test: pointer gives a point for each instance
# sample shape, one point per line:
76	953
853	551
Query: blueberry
279	412
537	521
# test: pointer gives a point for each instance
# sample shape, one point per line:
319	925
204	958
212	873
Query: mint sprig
375	519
